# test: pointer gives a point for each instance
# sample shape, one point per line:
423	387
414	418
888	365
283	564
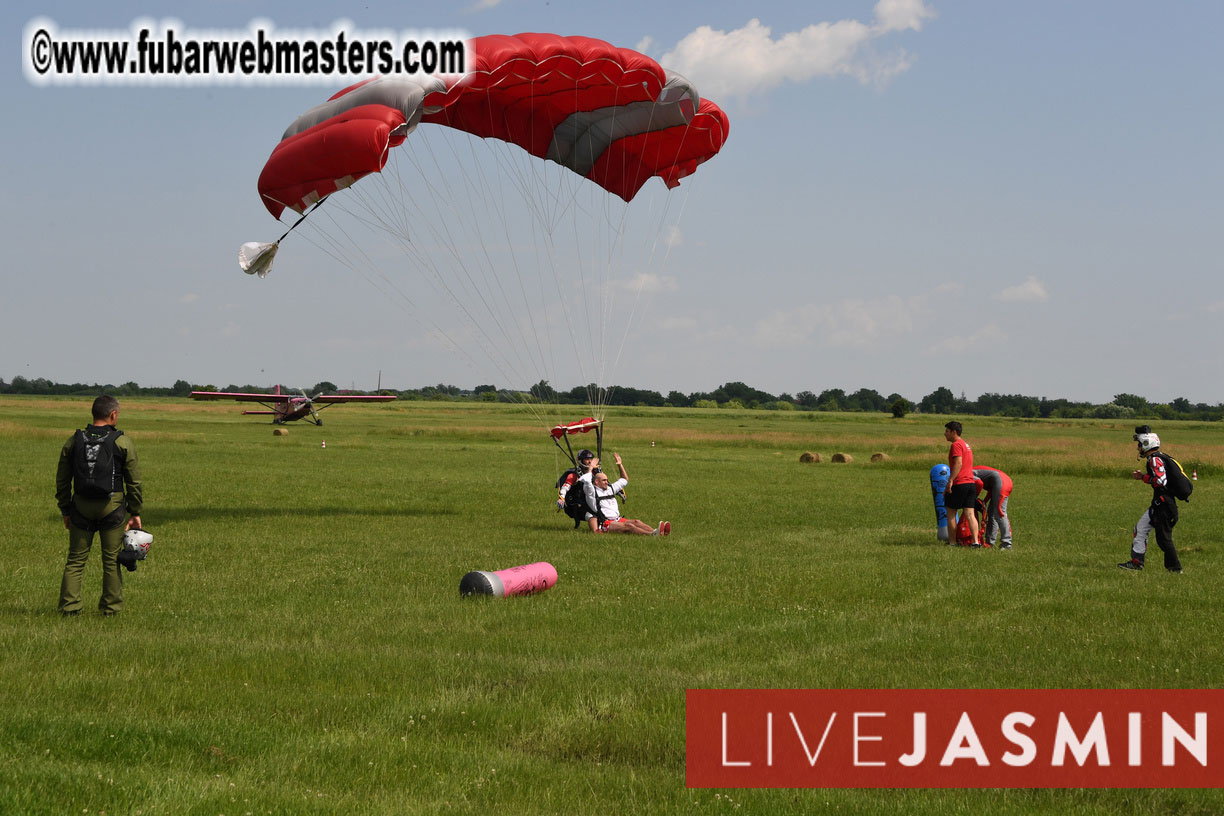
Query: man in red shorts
602	496
961	492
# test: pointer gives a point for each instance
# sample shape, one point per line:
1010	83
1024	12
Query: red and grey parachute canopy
611	115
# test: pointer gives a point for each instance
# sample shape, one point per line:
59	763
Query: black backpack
96	461
1177	482
576	506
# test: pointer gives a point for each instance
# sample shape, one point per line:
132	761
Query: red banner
954	738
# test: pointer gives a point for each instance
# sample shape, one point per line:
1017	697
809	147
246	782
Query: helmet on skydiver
1147	442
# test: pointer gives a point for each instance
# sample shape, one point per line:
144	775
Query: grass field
296	644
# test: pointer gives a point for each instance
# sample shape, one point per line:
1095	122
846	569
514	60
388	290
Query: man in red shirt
962	488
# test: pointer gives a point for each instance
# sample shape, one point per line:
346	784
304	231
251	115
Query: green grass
295	642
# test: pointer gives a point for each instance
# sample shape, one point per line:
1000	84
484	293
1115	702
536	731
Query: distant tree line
728	395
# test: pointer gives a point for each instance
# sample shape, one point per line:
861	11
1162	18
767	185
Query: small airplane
287	407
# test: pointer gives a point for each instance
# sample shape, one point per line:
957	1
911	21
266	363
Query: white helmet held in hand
137	541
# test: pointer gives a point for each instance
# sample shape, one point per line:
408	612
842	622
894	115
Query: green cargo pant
90	515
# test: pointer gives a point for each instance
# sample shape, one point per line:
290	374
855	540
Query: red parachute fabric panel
585	425
331	155
520	89
670	154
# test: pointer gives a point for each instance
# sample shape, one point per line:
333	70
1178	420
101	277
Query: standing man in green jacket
97	488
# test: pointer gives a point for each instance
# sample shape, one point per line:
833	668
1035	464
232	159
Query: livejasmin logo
954	738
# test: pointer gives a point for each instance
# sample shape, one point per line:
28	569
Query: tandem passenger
601	496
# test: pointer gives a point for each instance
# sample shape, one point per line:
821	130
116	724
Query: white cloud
850	323
647	283
1031	291
679	323
644	45
902	15
485	5
673	237
749	60
987	335
190	297
1216	307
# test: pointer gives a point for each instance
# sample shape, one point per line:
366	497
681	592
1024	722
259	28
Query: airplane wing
240	397
331	398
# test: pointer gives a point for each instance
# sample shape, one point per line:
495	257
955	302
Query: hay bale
807	457
280	431
879	457
842	457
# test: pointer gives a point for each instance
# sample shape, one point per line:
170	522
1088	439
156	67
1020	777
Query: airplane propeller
314	413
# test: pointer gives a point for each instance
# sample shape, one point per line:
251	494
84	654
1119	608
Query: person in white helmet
1164	475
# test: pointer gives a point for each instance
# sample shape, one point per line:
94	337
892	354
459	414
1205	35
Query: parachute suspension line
302	218
528	195
594	295
659	235
561	198
605	294
426	261
608	263
617	260
633	309
644	274
539	334
563	195
379	215
530	178
543	199
492	193
365	196
339	251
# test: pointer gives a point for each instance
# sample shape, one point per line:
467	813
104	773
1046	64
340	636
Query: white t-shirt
606	497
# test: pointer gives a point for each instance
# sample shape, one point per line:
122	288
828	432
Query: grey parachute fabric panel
403	93
582	138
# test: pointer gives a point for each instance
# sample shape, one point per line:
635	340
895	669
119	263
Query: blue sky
993	197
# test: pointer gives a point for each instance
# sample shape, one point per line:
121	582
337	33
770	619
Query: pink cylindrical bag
522	580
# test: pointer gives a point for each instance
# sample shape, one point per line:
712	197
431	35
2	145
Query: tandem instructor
97	486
